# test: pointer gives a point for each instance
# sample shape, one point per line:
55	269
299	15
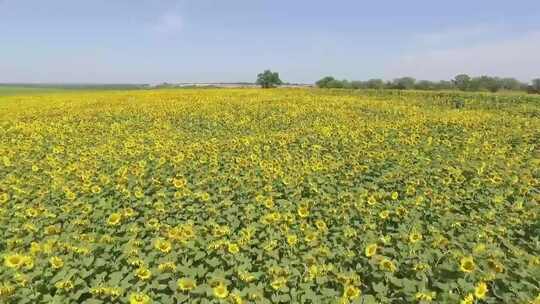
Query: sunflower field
269	196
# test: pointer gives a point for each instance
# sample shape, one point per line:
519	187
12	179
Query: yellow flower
65	285
143	273
95	189
469	299
235	298
179	182
415	237
14	261
384	214
480	290
6	290
167	266
279	283
220	291
387	265
292	239
233	248
467	264
395	195
4	197
303	211
186	284
425	296
321	225
163	246
114	219
371	250
139	298
56	262
351	292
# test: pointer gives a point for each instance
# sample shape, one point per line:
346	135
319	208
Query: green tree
462	82
511	84
375	84
536	85
268	79
323	83
404	83
335	84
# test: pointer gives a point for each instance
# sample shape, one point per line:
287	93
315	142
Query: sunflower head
480	290
467	264
186	284
114	219
139	298
220	291
370	250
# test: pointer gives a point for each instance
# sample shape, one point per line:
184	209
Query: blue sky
150	41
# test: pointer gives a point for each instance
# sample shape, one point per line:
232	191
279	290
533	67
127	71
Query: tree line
461	82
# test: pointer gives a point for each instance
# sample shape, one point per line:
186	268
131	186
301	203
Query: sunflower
351	292
292	239
480	290
303	211
220	291
425	296
233	248
6	290
394	195
371	250
179	183
4	197
235	298
139	298
467	264
387	265
56	262
66	285
163	245
415	237
143	273
384	214
371	200
167	267
186	284
14	261
469	299
279	283
114	219
95	189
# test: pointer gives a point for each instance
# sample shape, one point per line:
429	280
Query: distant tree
356	84
445	85
268	79
346	84
375	84
492	84
323	83
335	84
536	85
424	85
404	83
462	82
485	83
510	84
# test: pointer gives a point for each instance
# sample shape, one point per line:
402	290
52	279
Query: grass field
260	196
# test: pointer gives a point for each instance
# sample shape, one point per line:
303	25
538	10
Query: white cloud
168	23
471	34
513	57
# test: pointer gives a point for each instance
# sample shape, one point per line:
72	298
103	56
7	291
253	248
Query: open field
259	196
